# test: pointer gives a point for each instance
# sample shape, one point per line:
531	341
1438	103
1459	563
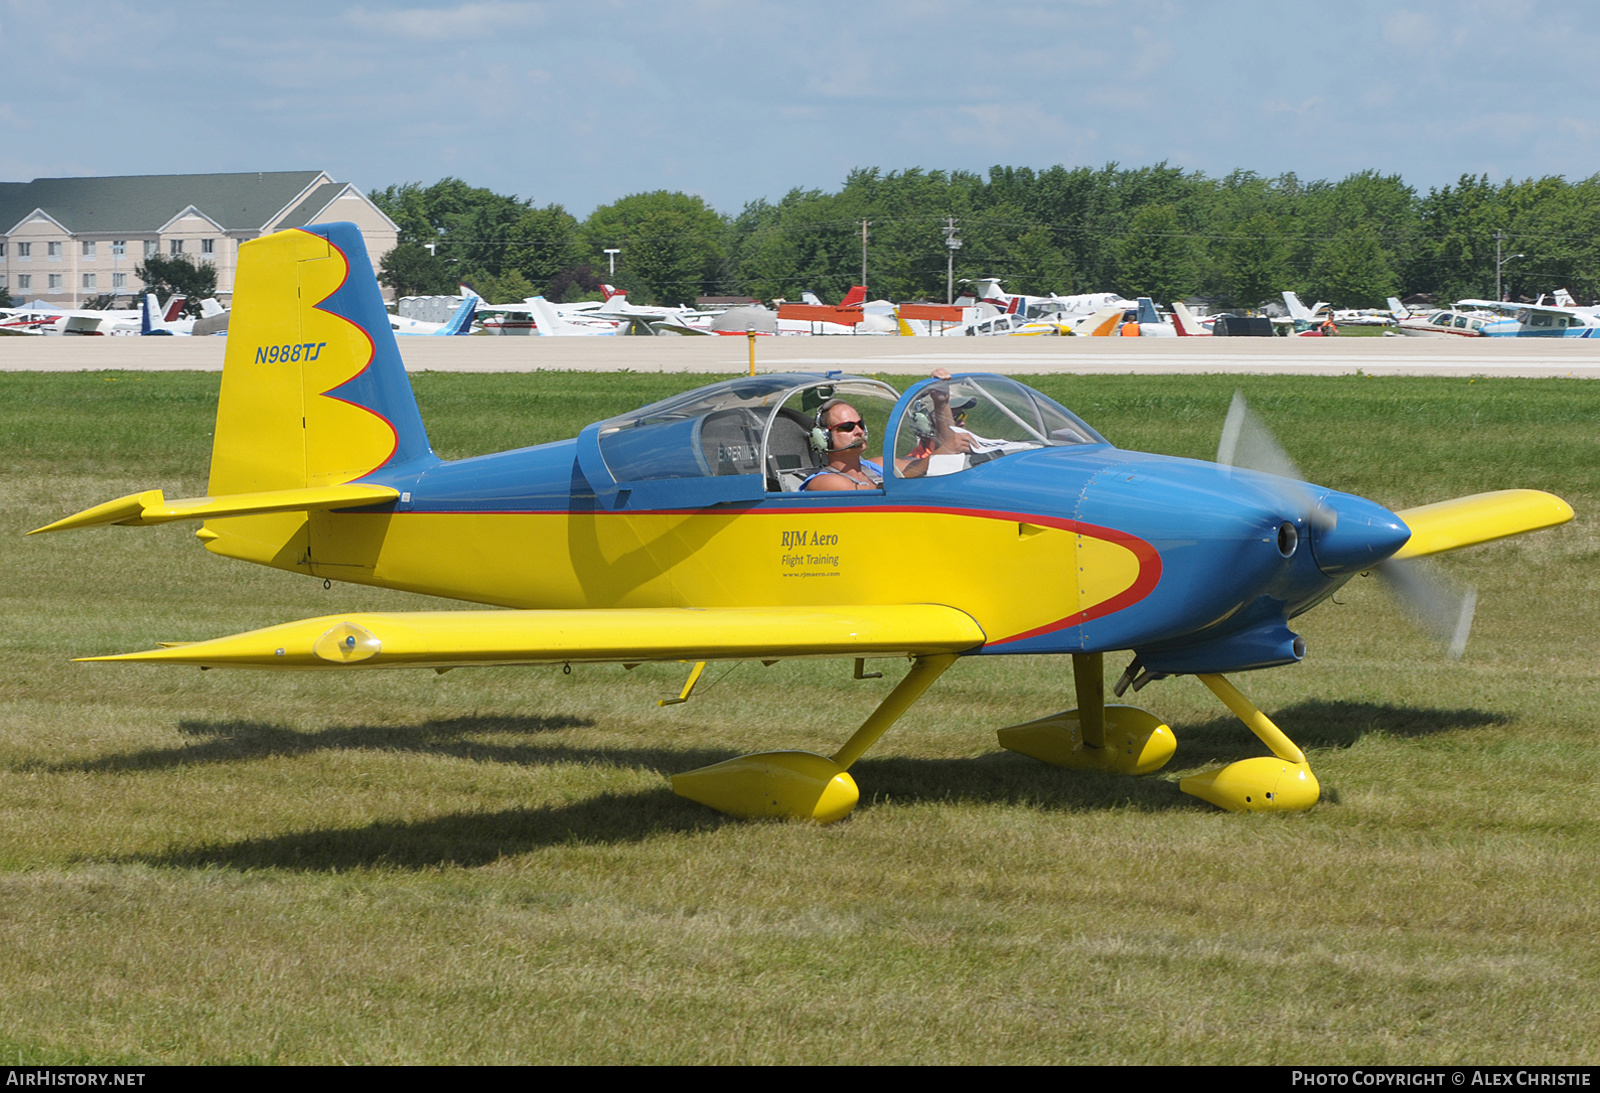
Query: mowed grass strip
488	866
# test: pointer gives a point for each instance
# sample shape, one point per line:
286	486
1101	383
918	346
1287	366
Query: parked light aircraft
1536	320
458	325
517	318
41	318
1447	322
677	532
213	318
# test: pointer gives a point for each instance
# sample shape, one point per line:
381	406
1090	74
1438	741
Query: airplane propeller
1438	609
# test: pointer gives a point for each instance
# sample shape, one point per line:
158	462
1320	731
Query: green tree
672	245
510	287
1353	270
1156	257
1254	261
541	246
411	270
178	274
1036	267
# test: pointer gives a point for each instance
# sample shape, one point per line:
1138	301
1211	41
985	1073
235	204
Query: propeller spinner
1349	537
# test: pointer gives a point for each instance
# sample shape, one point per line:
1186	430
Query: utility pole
1499	262
952	244
864	224
611	253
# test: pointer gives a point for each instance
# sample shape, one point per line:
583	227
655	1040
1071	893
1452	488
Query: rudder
313	389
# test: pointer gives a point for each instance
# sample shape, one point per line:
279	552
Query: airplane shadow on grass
479	838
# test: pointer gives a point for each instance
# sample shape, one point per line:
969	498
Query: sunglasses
848	426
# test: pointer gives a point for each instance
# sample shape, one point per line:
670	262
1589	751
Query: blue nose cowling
1353	534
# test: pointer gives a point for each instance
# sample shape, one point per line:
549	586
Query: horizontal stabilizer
151	507
1481	518
445	639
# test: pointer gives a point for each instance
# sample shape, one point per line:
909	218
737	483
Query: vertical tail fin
545	318
313	389
461	321
857	295
1103	323
1185	322
1147	312
1297	310
174	309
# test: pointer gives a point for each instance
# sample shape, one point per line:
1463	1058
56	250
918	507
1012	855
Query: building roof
315	201
145	203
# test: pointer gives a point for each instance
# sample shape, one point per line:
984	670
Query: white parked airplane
42	318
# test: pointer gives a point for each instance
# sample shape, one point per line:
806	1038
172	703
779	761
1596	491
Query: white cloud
479	19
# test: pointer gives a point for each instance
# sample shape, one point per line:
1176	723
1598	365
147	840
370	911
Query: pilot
841	436
937	423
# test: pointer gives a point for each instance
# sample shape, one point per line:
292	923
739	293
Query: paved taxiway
906	356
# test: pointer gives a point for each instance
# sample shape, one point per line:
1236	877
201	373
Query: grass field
488	866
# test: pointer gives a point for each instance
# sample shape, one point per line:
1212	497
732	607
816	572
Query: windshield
953	425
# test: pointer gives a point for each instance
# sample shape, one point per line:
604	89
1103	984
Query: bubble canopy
748	437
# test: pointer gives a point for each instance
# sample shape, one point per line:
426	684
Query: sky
580	104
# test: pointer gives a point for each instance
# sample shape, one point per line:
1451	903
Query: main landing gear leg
1116	739
1283	783
800	784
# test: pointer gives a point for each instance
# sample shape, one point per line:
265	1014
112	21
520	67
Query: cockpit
764	432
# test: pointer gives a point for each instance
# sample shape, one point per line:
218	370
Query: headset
820	435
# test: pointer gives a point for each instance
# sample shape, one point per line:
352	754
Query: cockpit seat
790	457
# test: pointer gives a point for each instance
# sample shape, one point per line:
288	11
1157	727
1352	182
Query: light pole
611	256
864	224
1499	262
952	244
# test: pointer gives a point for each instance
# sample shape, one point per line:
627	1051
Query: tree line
1150	231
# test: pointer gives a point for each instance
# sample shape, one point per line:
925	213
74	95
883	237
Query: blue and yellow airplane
680	532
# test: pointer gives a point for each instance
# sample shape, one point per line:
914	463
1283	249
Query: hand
960	443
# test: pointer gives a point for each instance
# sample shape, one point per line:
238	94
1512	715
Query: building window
53	250
24	281
119	280
119	247
208	246
151	247
175	246
88	280
25	251
55	282
88	248
2	250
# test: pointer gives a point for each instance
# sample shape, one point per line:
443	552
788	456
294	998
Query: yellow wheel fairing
1017	578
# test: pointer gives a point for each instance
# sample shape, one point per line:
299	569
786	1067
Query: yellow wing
1480	518
448	639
